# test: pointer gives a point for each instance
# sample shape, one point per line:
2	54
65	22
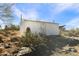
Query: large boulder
24	51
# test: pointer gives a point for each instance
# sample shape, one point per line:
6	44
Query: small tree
6	13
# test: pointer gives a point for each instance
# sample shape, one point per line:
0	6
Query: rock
1	41
7	45
17	44
13	51
6	39
72	50
1	49
1	44
6	54
14	39
73	42
24	50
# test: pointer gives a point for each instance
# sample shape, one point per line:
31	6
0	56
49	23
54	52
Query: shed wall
40	27
52	29
34	27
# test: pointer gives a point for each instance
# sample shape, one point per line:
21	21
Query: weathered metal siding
52	29
34	27
40	27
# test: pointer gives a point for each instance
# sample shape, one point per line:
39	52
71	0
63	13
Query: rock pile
24	51
9	44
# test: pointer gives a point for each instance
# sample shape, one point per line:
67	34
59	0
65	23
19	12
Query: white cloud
1	22
74	23
18	12
77	8
32	14
60	7
29	14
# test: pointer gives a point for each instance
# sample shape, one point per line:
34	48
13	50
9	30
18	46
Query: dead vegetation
9	42
12	44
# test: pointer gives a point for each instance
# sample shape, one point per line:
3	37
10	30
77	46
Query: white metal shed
42	27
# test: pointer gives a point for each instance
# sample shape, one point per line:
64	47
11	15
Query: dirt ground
56	45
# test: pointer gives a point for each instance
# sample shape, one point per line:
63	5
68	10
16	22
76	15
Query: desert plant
12	27
36	42
31	40
71	32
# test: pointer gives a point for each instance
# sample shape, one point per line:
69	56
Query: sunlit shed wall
42	27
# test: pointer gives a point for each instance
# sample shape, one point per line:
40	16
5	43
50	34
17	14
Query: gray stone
1	41
7	46
24	50
72	50
14	39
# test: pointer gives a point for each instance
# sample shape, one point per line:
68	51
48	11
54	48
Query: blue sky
64	14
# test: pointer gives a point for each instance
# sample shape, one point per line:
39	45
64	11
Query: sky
63	13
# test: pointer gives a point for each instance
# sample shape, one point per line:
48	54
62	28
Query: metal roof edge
40	21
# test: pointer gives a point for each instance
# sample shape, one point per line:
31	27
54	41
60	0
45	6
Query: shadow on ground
53	43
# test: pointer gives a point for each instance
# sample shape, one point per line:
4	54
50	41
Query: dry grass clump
71	32
34	41
30	39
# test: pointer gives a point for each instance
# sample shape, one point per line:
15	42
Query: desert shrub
28	29
30	39
1	41
71	32
14	39
12	27
74	42
6	27
74	32
35	41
